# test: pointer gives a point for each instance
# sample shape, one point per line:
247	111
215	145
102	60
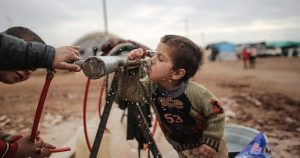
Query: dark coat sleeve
16	54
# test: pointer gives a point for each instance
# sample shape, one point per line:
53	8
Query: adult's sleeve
16	54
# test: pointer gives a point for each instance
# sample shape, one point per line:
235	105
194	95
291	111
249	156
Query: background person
245	57
252	58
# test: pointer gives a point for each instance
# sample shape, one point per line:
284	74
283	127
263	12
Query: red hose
56	150
40	107
84	109
154	127
84	114
38	113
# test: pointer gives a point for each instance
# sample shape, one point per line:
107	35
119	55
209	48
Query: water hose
39	110
84	114
154	127
40	107
84	109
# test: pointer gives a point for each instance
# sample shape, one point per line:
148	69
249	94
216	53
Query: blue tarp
225	47
225	51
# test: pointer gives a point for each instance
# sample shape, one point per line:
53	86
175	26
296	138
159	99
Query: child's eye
160	58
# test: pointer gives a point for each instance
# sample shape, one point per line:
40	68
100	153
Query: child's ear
178	74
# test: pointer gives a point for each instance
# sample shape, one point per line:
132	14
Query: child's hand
11	77
136	54
39	149
206	151
64	55
23	75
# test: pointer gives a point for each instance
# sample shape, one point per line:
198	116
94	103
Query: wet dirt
265	98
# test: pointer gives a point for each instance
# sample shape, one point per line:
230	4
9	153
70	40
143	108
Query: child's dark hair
24	33
187	54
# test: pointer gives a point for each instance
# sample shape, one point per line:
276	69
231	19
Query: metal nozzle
79	62
151	52
143	62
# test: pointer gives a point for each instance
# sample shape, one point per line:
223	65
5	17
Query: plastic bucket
238	137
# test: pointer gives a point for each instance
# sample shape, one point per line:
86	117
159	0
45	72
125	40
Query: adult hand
64	58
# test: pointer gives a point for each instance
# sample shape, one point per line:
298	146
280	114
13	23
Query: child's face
11	77
161	65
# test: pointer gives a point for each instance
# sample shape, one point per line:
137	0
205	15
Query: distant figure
214	53
285	51
295	52
252	57
245	57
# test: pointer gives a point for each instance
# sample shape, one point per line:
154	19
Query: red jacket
8	149
245	54
8	145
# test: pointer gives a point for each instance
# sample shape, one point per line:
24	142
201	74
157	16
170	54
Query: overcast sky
62	22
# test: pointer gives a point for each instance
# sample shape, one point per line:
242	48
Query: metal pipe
97	66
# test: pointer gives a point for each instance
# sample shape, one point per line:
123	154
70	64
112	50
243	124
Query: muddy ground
266	98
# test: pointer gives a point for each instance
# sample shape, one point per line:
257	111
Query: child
190	116
14	145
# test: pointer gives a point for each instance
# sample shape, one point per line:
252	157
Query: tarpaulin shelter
222	51
284	44
286	47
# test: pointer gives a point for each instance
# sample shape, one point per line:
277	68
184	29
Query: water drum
238	137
